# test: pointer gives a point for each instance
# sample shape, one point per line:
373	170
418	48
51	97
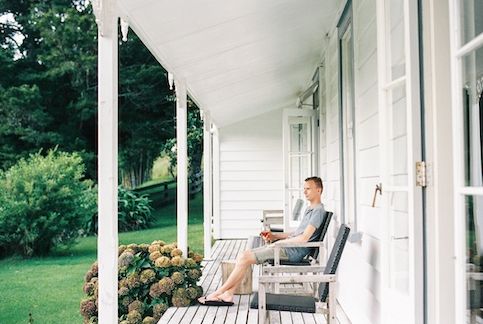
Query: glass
396	39
299	170
474	260
473	117
398	136
399	266
471	19
299	137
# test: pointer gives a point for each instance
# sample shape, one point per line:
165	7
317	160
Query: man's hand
267	236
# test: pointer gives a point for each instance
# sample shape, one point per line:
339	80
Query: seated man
307	231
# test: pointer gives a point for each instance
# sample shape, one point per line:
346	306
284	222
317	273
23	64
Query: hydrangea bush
152	277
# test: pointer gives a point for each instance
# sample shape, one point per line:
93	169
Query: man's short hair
317	181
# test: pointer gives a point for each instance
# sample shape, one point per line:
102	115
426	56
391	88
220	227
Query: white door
299	155
400	138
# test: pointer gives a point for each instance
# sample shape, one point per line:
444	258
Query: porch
241	312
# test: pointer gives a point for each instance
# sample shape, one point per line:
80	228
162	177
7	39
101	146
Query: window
467	62
347	120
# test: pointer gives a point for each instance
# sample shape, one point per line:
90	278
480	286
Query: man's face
311	192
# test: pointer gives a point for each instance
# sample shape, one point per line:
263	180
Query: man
308	231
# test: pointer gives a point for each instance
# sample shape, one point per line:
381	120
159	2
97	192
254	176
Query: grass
50	288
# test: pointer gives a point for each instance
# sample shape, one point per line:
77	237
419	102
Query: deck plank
240	313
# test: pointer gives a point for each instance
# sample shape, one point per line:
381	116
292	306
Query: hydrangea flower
134	317
136	305
88	308
166	285
177	277
125	258
147	276
177	261
162	262
176	252
154	255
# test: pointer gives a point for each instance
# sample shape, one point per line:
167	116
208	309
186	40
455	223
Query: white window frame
348	185
461	191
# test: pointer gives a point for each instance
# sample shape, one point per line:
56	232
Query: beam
207	185
107	241
182	166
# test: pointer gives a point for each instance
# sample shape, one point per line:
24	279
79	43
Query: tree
48	89
195	143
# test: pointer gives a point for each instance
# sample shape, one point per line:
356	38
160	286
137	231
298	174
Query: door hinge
421	177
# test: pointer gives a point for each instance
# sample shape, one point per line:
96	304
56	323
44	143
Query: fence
165	192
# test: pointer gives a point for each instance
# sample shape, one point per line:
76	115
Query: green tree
195	143
48	86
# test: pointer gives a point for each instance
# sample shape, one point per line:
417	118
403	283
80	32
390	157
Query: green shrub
134	213
44	202
151	279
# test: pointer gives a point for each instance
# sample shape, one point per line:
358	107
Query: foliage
44	202
195	143
151	279
134	213
48	89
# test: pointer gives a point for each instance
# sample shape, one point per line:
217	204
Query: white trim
107	241
459	225
473	191
395	83
207	188
182	166
472	45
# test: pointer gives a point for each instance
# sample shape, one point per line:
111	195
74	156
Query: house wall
251	173
359	291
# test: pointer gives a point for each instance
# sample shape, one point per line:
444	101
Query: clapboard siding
359	291
251	173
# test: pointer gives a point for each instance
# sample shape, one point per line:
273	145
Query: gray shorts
265	253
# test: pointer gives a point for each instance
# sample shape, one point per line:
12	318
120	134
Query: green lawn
51	288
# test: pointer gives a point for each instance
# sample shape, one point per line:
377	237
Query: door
400	138
299	127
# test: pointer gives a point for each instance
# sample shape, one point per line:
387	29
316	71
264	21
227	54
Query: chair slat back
334	259
314	253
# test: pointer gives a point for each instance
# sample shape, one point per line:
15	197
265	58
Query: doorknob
377	189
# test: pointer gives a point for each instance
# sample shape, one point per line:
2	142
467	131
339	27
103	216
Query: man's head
313	188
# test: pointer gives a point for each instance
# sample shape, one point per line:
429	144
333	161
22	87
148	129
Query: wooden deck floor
240	313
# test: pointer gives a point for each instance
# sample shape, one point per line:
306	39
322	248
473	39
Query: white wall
359	271
251	173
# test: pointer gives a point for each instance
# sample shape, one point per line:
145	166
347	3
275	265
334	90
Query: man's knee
246	257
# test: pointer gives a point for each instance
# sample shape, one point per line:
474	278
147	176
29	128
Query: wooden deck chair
314	258
271	217
326	295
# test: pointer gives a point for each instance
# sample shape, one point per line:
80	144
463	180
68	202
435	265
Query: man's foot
216	299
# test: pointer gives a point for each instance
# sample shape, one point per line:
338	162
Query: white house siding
358	290
251	173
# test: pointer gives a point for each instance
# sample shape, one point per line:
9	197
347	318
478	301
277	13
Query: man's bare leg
226	291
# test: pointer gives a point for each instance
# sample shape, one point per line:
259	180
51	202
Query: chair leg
331	316
262	303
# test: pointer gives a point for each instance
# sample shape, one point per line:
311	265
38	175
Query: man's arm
302	238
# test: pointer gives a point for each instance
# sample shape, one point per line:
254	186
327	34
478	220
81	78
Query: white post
207	188
107	241
182	166
216	184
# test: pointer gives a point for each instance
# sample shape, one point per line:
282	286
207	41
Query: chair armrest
264	279
293	269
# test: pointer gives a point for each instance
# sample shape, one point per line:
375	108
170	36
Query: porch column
107	241
216	183
207	188
182	166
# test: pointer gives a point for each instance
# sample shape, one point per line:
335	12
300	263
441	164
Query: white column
107	241
207	179
182	166
216	184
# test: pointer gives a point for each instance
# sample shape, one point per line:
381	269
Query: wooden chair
295	303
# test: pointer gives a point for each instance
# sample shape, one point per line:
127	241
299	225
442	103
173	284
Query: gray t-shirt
313	216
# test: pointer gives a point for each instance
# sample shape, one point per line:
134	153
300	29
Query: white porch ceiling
239	58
